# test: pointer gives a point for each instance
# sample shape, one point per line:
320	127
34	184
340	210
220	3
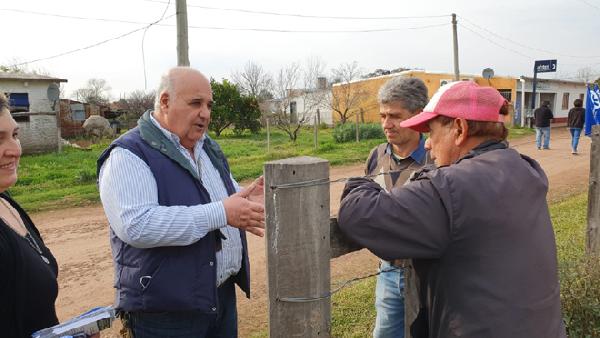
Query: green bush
347	132
580	297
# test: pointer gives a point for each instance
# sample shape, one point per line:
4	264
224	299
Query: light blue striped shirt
130	198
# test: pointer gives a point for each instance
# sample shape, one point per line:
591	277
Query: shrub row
347	132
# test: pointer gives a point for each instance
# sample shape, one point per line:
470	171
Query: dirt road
79	239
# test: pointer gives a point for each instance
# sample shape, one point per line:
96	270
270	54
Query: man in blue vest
178	219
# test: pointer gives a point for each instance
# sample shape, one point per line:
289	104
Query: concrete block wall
40	133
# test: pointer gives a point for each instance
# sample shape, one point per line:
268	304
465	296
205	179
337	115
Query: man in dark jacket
482	246
543	116
575	123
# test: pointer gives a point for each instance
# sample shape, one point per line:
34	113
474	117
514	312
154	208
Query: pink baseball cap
460	99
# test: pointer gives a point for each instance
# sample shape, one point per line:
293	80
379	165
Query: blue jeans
389	302
545	132
575	133
190	324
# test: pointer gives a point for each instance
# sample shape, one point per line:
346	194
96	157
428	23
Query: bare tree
16	65
315	93
139	101
254	81
585	74
284	103
96	91
346	97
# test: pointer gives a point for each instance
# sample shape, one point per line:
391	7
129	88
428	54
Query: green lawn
68	179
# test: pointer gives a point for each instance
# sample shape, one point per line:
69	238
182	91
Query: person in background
543	116
396	297
28	270
483	246
178	219
575	123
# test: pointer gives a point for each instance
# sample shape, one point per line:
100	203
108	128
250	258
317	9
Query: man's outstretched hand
256	191
246	209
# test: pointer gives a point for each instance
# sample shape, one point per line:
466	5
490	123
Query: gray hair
164	85
409	91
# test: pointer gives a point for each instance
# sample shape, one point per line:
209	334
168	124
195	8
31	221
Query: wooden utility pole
298	247
455	47
593	226
183	59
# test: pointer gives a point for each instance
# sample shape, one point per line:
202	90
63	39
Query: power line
14	10
589	4
92	45
375	30
495	43
144	37
248	11
526	46
197	27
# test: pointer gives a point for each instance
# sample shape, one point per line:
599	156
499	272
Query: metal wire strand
322	181
331	293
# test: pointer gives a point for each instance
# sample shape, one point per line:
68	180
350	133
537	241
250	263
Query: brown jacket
397	173
481	239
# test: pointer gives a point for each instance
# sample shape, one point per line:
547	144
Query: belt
399	263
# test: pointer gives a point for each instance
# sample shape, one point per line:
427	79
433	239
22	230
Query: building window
293	114
21	118
78	115
565	102
581	96
506	93
293	107
19	102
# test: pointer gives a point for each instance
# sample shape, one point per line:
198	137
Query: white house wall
558	88
40	134
324	109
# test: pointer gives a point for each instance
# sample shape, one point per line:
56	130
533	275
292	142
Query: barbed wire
331	293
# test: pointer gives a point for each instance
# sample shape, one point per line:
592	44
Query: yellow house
360	96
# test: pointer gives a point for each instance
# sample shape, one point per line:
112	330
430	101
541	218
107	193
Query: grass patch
68	179
516	132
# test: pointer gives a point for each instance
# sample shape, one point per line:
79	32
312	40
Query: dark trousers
190	324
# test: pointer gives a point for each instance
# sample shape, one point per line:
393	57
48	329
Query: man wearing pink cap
476	226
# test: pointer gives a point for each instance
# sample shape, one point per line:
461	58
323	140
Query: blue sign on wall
544	66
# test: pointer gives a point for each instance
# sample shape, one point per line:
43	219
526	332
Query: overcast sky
506	36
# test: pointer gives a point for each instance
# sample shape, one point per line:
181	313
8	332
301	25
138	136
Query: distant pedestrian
543	115
575	123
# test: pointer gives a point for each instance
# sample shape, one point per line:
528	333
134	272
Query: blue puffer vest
175	278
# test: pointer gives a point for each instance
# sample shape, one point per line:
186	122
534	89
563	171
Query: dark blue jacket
176	278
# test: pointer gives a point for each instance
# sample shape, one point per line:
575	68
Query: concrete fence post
298	247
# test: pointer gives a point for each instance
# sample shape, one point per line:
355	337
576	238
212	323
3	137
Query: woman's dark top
576	117
28	285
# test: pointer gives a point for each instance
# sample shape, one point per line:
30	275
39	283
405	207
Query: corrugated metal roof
29	76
